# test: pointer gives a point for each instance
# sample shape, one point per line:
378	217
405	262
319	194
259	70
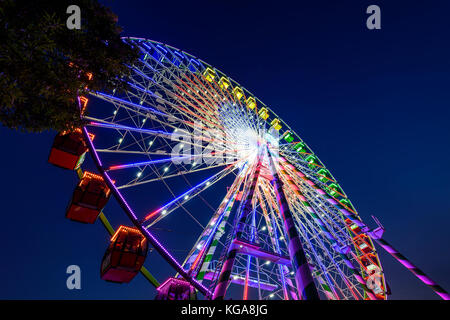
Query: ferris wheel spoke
109	125
337	263
325	231
177	78
133	152
194	260
318	269
307	206
143	111
313	236
135	182
175	113
346	264
355	258
169	94
95	122
194	100
237	108
113	99
210	93
171	206
191	104
331	218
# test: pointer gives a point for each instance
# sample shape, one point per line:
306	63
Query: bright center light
248	144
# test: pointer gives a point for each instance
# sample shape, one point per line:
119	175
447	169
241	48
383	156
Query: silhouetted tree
44	65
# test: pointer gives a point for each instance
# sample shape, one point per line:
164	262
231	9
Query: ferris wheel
221	187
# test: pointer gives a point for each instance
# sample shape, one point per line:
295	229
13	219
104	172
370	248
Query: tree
44	65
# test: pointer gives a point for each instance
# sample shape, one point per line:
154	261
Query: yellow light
238	93
263	113
224	83
251	103
91	175
209	74
128	229
276	124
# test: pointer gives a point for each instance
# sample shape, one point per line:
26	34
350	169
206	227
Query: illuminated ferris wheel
221	187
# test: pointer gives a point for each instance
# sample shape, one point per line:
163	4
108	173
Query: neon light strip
144	163
150	215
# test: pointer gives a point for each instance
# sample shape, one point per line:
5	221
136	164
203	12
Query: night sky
372	104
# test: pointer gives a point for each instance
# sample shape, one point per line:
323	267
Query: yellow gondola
209	74
251	103
238	93
263	113
224	83
276	124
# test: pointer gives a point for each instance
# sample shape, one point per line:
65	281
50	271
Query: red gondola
68	149
125	255
89	198
176	289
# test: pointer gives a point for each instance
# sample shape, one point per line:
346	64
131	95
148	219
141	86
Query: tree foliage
44	65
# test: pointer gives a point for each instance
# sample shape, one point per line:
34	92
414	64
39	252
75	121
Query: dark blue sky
374	105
